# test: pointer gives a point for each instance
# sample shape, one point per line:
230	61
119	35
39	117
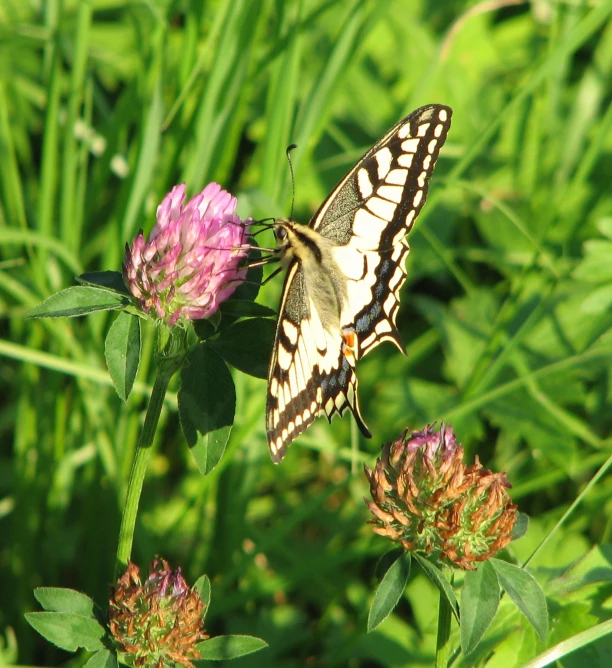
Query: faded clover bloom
157	623
426	499
191	260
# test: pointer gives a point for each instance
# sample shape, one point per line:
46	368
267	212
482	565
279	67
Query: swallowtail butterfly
344	274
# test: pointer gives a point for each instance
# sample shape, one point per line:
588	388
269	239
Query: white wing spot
281	401
339	401
306	415
329	406
298	420
364	183
410	145
422	131
439	129
417	199
399	237
291	331
287	392
431	147
405	160
313	407
382	327
397	177
427	162
410	218
443	116
351	262
383	160
368	340
284	358
274	386
284	434
390	301
397	279
392	193
404	131
291	427
293	380
368	227
421	179
381	208
398	251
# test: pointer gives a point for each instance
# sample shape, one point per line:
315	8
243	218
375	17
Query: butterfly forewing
382	196
309	372
353	251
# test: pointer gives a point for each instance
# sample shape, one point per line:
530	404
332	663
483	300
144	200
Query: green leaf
386	561
596	266
479	602
77	300
103	658
598	300
202	586
111	280
389	591
247	345
67	630
525	591
122	352
229	647
604	225
242	308
437	577
520	526
207	404
58	599
204	329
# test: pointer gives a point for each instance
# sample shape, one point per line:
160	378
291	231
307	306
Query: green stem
444	624
137	474
169	362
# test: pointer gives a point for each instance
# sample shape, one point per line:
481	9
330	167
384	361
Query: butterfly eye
280	233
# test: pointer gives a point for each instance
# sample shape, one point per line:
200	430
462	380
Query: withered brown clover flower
157	623
425	498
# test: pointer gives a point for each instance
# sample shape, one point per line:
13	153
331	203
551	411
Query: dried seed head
157	623
426	499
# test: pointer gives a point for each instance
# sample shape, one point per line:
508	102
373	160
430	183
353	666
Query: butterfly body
344	273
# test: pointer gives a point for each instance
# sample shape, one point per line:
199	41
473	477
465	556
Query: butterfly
345	270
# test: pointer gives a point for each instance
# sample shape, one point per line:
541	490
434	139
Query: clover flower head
158	623
426	499
192	260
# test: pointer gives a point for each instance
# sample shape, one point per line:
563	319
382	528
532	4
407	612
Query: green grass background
105	104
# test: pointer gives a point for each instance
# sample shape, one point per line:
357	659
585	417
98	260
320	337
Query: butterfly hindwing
345	271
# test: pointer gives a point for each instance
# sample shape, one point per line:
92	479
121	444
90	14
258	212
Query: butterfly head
286	238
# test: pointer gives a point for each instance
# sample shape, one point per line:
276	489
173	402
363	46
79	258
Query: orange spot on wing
349	347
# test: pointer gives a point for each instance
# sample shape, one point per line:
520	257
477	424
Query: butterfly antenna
288	152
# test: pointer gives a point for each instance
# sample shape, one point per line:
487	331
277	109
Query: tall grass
104	105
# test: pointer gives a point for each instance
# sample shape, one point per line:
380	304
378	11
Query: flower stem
137	474
444	624
169	362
